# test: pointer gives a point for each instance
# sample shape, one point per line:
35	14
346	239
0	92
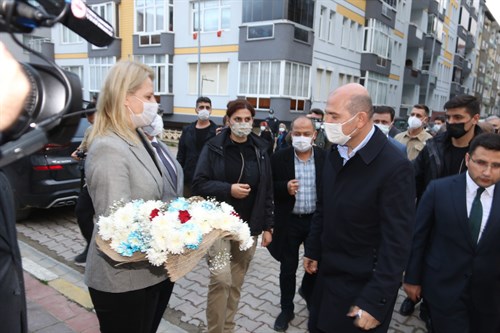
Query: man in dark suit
296	177
361	231
455	251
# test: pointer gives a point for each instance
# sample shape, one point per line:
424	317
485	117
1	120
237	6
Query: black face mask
456	130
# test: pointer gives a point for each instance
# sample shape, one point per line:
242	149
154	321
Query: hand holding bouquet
176	235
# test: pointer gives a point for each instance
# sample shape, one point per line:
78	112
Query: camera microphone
82	20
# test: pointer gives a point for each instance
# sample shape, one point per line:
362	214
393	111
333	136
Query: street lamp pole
198	67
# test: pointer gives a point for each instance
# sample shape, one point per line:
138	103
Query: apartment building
487	85
285	54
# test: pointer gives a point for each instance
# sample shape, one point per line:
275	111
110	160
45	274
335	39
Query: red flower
234	214
184	216
154	213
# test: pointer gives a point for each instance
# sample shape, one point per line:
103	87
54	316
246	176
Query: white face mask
241	129
150	111
334	132
414	122
263	128
318	124
302	143
384	128
203	114
281	129
437	127
155	128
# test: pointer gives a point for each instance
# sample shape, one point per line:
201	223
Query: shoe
281	323
82	257
424	316
407	307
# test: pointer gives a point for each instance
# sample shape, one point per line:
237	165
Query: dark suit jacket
444	259
361	230
283	168
12	296
393	131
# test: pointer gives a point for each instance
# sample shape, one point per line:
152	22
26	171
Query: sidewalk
54	234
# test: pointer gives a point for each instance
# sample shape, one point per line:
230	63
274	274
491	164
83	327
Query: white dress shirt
486	200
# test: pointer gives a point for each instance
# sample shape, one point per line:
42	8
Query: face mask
281	129
456	130
150	111
263	128
334	132
437	127
241	129
317	125
414	122
203	115
301	143
155	128
384	128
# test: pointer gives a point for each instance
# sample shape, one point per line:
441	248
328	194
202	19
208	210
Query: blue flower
208	205
178	204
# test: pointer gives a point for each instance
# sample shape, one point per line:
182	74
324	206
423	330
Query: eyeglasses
485	165
204	107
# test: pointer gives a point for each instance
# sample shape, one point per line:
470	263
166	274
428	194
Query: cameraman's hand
75	156
14	87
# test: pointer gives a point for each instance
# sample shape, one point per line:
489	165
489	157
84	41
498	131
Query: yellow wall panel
207	49
350	14
71	56
126	27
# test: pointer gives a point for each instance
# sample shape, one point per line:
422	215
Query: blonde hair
124	78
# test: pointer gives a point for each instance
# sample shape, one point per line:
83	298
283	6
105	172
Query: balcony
411	76
433	7
415	36
470	42
428	79
420	4
462	32
379	10
458	61
373	63
429	40
467	69
456	89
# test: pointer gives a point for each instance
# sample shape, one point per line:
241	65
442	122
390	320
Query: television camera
52	109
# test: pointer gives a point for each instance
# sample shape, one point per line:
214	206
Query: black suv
48	178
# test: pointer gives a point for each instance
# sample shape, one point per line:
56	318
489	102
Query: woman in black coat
234	167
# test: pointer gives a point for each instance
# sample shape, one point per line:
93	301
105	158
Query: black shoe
82	257
407	307
424	315
281	323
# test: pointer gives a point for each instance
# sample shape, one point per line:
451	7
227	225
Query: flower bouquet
176	235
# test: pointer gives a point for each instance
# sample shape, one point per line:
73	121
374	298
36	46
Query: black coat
12	295
187	153
210	179
283	166
361	233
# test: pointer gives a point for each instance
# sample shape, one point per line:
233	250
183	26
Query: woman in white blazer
121	165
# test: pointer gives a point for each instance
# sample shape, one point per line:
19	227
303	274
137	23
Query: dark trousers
297	231
464	318
138	311
84	211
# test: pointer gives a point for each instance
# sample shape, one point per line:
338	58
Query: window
331	27
153	18
260	78
378	86
301	12
214	78
34	42
108	12
322	84
344	41
260	31
377	39
212	15
297	79
321	23
99	67
69	37
162	66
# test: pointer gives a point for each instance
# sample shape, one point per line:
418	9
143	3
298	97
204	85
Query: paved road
54	234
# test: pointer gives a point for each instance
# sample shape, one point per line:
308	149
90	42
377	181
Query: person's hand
75	156
14	87
413	291
310	266
267	238
293	186
240	191
363	319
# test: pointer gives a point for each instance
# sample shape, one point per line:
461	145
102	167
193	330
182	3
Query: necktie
167	164
476	215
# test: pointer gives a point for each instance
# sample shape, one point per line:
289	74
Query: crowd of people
374	209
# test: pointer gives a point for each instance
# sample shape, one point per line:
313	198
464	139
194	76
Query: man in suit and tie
296	178
454	262
361	230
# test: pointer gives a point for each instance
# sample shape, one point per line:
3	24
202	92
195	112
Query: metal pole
198	67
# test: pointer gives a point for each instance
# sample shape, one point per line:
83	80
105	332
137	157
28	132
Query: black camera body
81	154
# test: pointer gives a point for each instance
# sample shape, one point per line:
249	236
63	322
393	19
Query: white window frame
220	80
378	39
68	37
162	66
98	69
150	36
223	7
